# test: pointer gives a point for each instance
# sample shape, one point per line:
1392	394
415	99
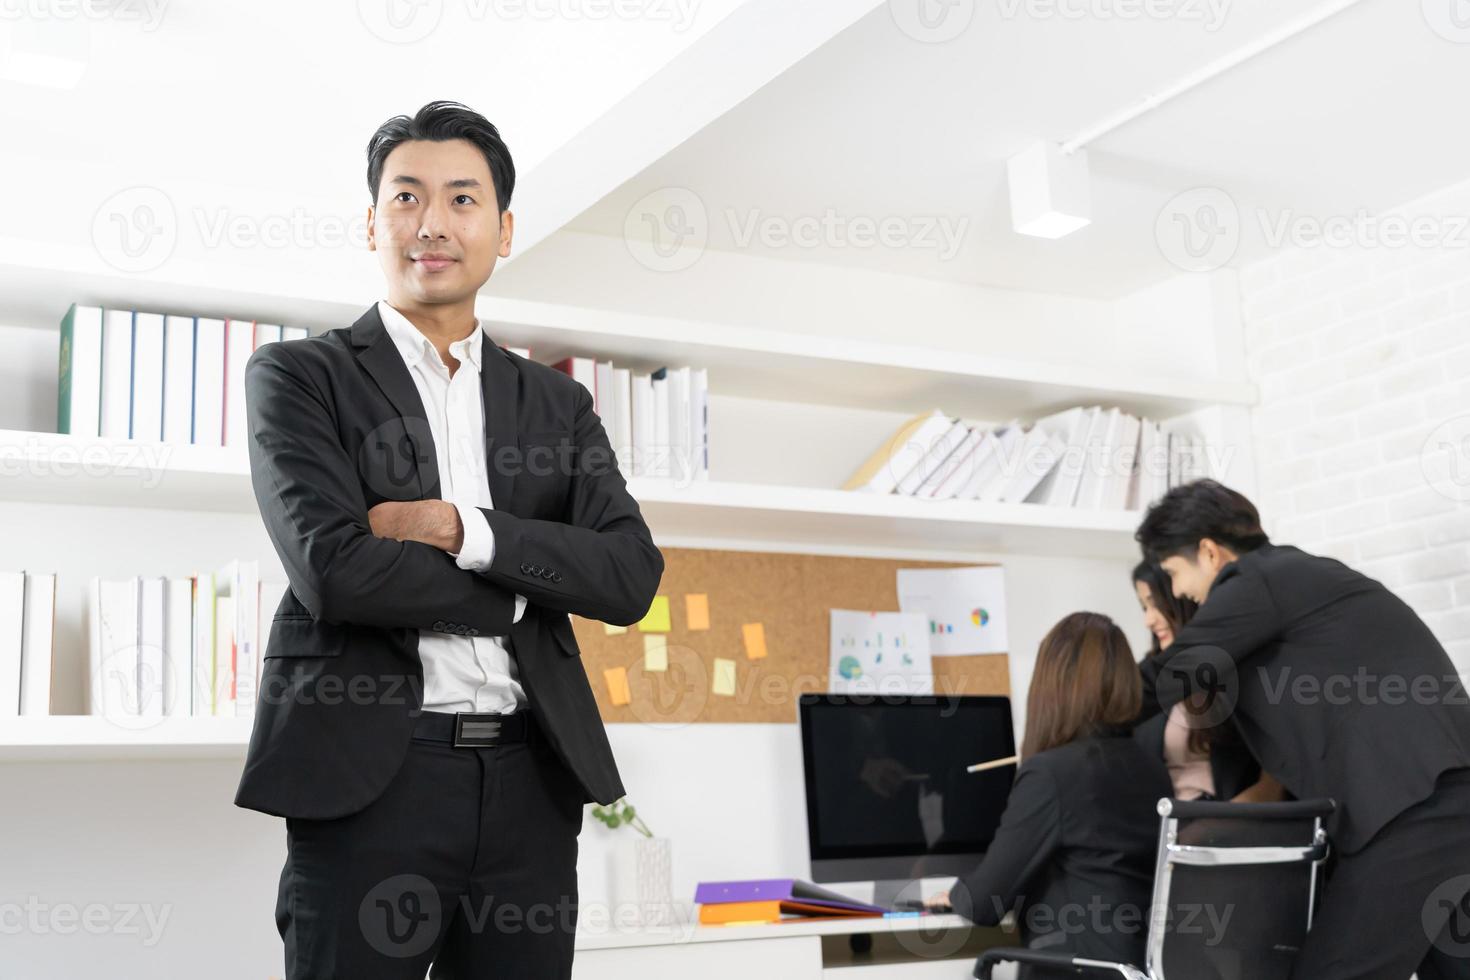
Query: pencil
1009	760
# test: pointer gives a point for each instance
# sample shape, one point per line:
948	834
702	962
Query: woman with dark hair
1205	760
1074	853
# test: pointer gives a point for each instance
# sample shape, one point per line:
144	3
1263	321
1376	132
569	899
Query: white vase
642	876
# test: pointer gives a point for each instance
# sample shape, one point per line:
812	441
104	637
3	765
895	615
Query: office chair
1255	862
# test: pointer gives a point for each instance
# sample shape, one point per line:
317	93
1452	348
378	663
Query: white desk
942	947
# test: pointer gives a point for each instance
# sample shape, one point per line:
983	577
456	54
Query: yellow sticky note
696	607
755	640
657	618
655	652
610	630
724	677
617	684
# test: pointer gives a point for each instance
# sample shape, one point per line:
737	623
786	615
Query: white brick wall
1362	353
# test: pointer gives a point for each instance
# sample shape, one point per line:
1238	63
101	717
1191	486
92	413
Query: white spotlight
1049	191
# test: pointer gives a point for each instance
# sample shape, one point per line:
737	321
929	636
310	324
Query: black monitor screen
885	776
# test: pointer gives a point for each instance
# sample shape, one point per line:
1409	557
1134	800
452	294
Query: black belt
466	730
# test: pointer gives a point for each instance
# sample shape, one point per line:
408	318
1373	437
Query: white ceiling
1359	113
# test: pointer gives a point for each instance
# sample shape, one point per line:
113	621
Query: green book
79	379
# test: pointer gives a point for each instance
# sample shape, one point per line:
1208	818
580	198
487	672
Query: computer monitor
888	797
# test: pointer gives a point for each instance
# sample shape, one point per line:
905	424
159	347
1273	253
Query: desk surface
613	932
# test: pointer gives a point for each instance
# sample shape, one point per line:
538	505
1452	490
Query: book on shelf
180	646
27	628
1088	458
656	422
125	374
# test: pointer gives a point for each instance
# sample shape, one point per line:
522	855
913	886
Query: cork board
791	596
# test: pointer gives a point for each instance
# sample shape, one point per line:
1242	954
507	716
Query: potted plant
641	870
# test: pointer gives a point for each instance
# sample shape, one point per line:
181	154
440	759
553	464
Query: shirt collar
413	345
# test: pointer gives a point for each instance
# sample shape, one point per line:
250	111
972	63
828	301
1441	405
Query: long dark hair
1177	612
1085	683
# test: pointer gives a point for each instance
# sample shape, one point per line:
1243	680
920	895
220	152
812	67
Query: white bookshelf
834	388
86	737
41	467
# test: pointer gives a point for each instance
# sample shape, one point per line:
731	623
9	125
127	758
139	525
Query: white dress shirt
461	673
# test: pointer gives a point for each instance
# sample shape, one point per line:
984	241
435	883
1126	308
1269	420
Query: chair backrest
1234	888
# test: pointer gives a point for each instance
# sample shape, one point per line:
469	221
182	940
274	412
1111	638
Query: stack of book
658	423
27	624
1090	458
178	646
762	901
125	374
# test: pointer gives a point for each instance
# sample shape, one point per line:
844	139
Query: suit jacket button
525	569
438	625
547	573
474	632
556	576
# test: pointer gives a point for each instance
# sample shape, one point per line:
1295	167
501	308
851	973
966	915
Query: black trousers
1401	904
467	861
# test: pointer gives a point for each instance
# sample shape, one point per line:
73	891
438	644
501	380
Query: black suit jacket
336	427
1317	664
1080	832
1232	767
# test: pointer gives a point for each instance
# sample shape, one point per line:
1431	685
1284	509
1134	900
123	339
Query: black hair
1188	514
1176	610
440	122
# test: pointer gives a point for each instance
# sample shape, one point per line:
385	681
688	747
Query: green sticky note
657	618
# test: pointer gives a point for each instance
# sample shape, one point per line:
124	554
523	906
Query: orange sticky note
755	640
724	677
617	684
696	607
609	629
656	620
655	652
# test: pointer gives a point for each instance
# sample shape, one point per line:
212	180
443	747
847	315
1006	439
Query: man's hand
431	522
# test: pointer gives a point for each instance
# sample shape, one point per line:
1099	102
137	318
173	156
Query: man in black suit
425	724
1340	691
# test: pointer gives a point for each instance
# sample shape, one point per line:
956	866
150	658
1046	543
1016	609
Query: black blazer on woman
1232	767
1074	854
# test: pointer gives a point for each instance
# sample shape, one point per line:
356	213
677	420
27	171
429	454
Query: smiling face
1153	616
1192	578
437	226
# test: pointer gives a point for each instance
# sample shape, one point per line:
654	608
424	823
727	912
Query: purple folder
773	889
